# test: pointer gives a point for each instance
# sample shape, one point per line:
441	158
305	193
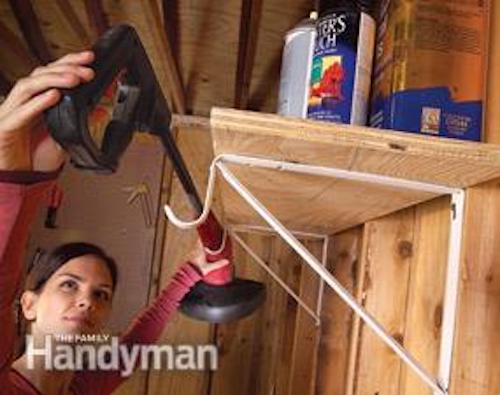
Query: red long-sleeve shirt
21	193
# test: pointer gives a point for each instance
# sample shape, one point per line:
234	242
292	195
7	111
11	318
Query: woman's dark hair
50	262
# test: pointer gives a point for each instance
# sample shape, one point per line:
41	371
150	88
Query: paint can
296	68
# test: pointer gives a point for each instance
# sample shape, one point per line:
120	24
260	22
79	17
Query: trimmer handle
140	105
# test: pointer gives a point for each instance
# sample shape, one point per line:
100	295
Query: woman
70	291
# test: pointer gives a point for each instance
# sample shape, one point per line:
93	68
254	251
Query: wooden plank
313	203
476	359
16	46
97	17
171	19
387	257
145	16
69	12
257	353
194	142
422	335
278	324
28	22
302	379
242	343
329	205
364	149
284	354
65	25
208	44
336	316
274	351
249	34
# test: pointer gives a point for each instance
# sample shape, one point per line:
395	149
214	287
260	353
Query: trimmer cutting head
224	303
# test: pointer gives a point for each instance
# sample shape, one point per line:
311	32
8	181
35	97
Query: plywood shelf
326	205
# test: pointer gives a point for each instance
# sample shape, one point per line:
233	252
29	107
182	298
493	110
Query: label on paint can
296	70
342	67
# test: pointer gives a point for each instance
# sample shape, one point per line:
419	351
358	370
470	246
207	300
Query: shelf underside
328	205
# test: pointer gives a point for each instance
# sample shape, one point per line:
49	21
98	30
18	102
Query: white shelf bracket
439	384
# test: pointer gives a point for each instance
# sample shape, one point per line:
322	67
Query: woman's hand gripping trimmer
121	62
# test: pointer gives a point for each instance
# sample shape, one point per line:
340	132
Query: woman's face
75	300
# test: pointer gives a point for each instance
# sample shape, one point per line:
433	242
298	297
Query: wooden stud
387	261
97	16
171	25
176	88
241	343
249	31
476	357
278	322
172	49
303	369
28	22
336	317
426	291
146	17
74	21
193	142
16	46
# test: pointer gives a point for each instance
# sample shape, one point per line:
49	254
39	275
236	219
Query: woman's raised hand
24	141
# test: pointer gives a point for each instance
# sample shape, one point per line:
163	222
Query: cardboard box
430	62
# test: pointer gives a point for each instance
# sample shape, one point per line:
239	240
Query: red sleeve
146	328
18	207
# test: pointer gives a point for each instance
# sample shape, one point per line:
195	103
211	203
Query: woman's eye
68	285
103	295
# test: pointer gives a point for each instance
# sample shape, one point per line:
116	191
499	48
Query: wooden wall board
386	260
242	343
12	67
422	335
336	316
58	29
304	359
476	357
276	314
293	268
208	41
274	350
194	143
145	17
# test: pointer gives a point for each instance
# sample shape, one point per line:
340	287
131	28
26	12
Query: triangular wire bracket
439	384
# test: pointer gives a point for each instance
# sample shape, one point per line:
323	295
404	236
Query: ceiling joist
74	22
251	11
97	16
28	22
171	25
165	55
16	46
